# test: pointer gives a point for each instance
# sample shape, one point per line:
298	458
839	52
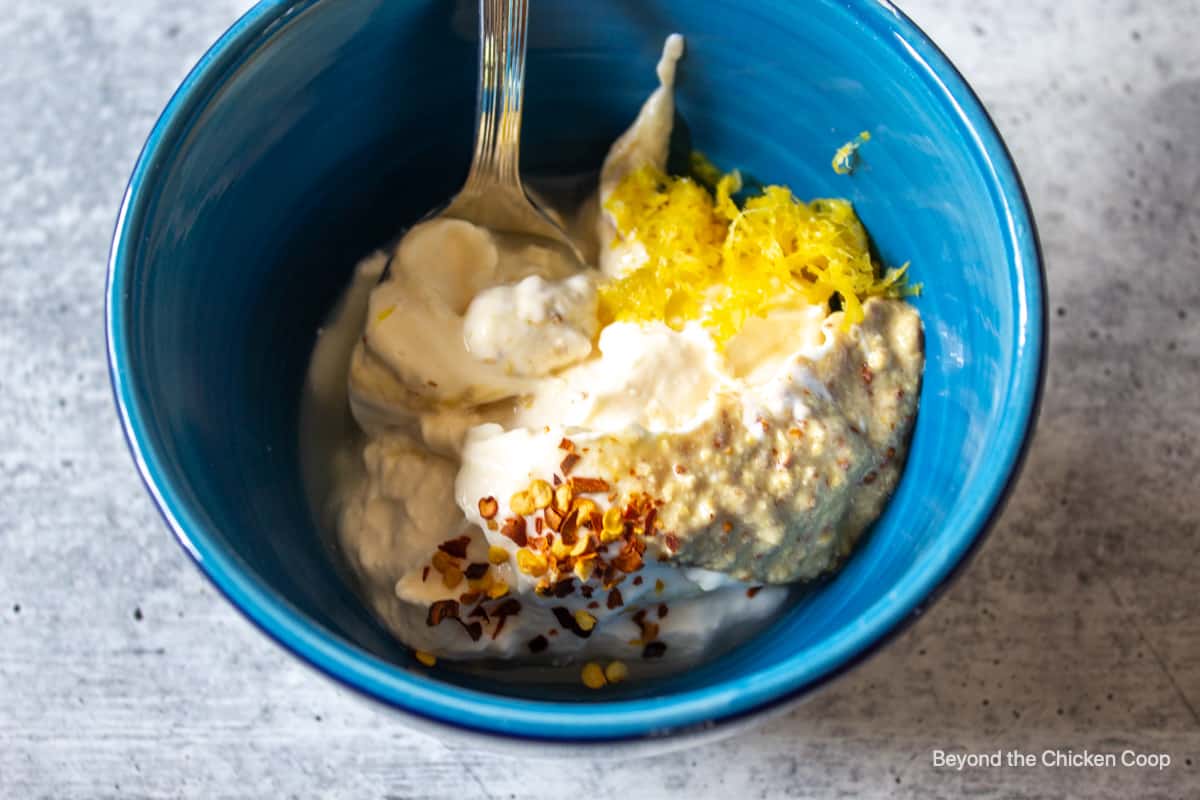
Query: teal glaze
314	131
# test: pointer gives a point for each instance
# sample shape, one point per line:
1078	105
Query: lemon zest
713	261
846	157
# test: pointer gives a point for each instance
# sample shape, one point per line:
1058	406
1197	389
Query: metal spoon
493	196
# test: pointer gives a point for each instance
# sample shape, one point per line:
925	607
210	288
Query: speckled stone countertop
123	674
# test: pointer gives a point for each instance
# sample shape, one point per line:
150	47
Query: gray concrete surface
122	674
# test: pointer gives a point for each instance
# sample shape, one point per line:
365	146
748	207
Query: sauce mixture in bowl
620	468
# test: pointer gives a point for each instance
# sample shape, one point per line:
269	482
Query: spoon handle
496	161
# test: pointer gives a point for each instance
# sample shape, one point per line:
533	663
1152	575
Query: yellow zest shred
711	261
846	157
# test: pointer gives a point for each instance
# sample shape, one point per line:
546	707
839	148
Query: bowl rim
728	704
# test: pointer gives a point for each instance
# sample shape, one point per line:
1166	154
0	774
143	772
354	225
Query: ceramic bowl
314	131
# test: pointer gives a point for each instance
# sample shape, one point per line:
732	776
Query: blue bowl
313	131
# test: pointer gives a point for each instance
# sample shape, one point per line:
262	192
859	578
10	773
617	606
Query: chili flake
440	610
522	503
452	577
541	494
654	650
442	562
531	563
593	675
456	547
568	463
589	485
488	507
514	528
616	672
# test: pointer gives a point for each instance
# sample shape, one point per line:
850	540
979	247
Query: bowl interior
316	130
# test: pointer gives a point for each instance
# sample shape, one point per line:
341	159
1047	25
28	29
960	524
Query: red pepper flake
680	469
629	559
440	610
662	610
538	526
568	463
567	620
566	444
473	629
753	590
637	581
869	478
514	528
476	571
456	547
552	632
509	608
467	598
594	604
557	481
538	644
654	650
614	598
867	375
488	507
425	573
672	542
589	485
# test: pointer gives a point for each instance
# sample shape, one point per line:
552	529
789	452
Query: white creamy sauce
647	376
647	141
534	326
